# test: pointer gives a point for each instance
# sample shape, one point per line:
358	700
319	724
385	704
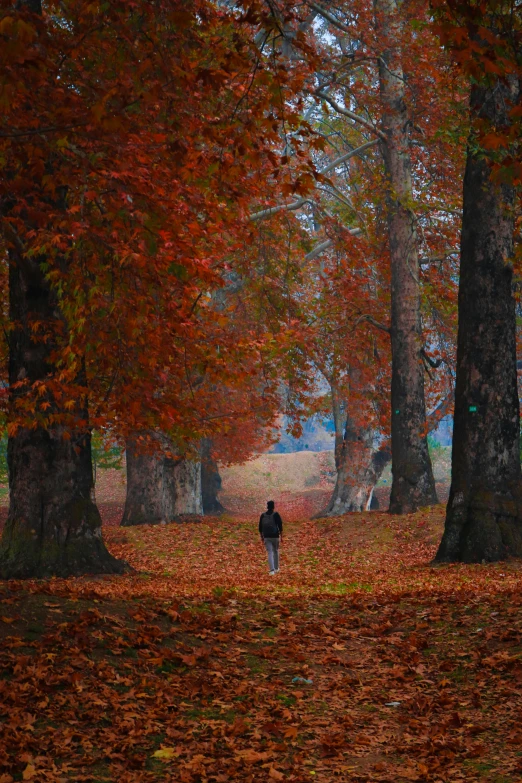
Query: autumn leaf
165	754
493	141
291	732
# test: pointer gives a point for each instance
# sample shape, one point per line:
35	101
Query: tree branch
434	363
371	320
350	114
328	243
16	134
281	208
264	213
335	163
330	18
434	418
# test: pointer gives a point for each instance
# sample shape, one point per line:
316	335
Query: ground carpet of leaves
184	671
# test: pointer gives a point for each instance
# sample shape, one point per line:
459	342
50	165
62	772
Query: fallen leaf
165	754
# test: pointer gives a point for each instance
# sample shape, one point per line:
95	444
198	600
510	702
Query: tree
53	525
123	197
413	483
161	485
484	512
371	91
360	467
210	480
4	474
362	461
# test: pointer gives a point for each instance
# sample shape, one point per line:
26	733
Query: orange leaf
291	732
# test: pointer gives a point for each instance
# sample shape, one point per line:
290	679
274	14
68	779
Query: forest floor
185	671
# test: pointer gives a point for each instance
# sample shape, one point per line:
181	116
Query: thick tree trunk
413	483
484	512
210	480
187	486
360	468
53	526
160	488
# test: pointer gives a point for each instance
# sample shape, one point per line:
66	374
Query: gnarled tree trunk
210	480
160	486
360	468
413	483
484	512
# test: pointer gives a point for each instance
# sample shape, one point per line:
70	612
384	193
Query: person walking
271	532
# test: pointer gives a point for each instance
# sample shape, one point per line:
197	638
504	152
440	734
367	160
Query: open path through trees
185	670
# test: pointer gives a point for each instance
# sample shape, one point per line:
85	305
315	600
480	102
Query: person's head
270	505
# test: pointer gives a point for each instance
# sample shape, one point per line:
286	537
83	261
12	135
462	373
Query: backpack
269	525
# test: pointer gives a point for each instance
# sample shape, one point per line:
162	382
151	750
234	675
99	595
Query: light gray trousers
272	548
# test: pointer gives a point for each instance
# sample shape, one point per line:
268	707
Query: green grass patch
286	699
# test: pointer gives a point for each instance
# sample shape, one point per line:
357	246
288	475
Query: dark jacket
277	520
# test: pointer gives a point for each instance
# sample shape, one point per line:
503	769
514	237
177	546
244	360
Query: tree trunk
210	480
160	487
339	425
413	483
187	487
484	512
53	526
360	468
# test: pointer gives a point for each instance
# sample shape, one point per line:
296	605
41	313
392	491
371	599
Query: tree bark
340	423
484	512
160	487
187	487
360	468
413	484
210	480
53	526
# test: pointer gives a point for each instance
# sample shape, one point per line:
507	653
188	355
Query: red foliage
134	138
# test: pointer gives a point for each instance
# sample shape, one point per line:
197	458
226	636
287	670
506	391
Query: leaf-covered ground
185	671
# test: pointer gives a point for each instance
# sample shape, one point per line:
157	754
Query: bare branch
330	18
302	201
281	208
371	320
350	114
335	163
328	243
336	193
